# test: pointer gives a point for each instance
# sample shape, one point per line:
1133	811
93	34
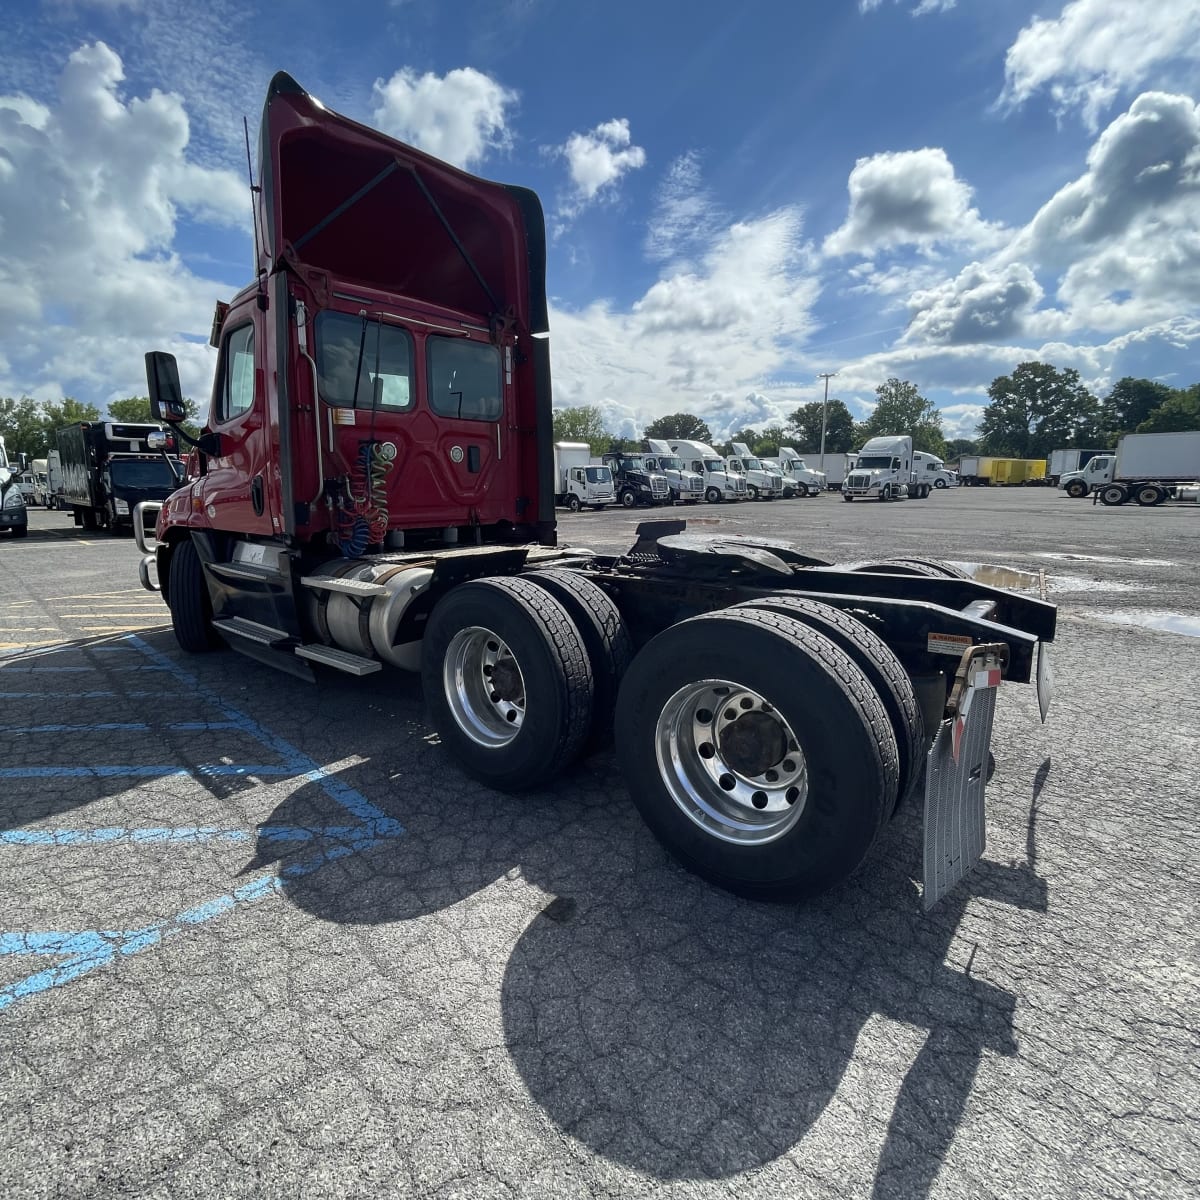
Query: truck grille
659	486
776	483
739	485
859	481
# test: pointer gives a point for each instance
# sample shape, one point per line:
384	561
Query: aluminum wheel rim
484	687
735	797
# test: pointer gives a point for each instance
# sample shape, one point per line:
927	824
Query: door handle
256	495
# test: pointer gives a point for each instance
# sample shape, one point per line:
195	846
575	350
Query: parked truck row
1146	467
375	487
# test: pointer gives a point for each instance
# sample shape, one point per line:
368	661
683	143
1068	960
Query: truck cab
14	516
720	483
761	484
1095	474
804	478
578	481
883	471
930	470
686	485
636	479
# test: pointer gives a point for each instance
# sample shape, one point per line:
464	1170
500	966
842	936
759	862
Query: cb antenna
254	192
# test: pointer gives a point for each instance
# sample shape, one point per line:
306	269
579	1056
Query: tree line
30	426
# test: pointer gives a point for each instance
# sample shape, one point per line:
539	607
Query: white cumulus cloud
596	161
91	190
460	117
1096	49
908	197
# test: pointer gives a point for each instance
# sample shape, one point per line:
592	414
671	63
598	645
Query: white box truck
719	482
1147	467
578	481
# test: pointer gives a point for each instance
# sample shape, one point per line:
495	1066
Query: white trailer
1147	467
719	482
834	465
577	481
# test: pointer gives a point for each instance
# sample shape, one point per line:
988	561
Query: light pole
827	376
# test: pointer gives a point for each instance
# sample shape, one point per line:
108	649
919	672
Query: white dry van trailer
579	482
1147	467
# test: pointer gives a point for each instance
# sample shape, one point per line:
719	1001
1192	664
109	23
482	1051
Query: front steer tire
546	673
191	608
803	693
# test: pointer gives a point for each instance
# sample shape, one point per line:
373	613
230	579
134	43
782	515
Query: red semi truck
375	489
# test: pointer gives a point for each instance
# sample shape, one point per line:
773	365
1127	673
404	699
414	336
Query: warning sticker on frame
949	643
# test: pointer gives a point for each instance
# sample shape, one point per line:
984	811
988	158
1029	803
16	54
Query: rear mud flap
956	773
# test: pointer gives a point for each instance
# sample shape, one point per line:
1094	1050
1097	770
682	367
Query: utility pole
827	376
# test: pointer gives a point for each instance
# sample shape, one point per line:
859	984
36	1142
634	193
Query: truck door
235	487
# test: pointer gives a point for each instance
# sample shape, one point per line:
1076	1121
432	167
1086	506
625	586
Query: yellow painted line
131	591
28	645
35	629
120	628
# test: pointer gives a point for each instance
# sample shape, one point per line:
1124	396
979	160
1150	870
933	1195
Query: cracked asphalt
261	938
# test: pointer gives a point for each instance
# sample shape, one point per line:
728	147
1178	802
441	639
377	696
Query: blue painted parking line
84	951
118	726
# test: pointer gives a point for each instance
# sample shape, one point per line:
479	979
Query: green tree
805	425
135	409
1179	413
67	413
957	447
23	427
584	423
902	410
679	425
1036	409
1131	401
770	440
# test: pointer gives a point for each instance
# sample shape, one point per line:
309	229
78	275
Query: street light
827	376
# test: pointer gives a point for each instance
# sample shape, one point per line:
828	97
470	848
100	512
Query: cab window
359	368
464	379
237	392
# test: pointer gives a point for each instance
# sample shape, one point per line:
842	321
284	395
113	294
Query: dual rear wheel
764	745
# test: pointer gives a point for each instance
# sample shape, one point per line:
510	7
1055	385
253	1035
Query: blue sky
739	197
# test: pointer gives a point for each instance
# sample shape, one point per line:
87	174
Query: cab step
250	631
350	587
341	660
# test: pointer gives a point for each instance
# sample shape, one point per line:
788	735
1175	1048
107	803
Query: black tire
573	503
191	608
88	517
1113	494
20	531
931	568
847	499
713	495
885	492
939	483
556	679
628	498
752	491
831	714
1149	495
1076	488
605	638
877	662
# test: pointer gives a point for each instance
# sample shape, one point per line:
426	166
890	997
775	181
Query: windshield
670	464
713	464
598	475
875	462
771	469
631	464
142	473
752	464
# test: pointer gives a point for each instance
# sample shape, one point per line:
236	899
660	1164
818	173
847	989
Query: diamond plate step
251	631
350	587
342	660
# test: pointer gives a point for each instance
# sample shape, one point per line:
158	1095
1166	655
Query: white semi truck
686	485
1147	467
805	479
578	481
761	484
884	471
14	516
928	468
719	482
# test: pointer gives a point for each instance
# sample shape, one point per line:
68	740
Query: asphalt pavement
263	938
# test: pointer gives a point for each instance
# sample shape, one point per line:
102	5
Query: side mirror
166	396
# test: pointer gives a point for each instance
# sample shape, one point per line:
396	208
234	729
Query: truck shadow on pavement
681	1031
